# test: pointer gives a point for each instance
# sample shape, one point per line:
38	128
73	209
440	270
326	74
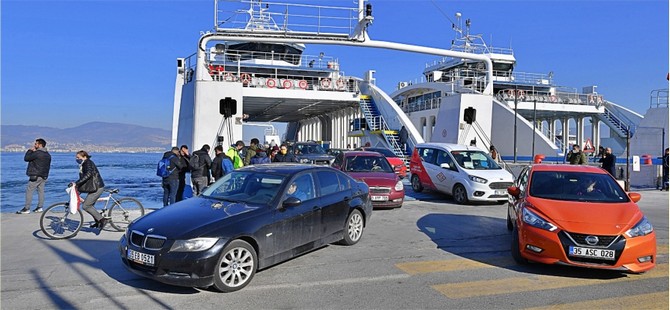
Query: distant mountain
112	135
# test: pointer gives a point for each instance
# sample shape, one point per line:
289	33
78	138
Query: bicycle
57	222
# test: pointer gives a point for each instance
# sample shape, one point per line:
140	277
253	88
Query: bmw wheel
353	228
416	184
460	194
236	266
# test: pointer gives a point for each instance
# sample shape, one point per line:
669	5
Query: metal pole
534	124
628	159
515	106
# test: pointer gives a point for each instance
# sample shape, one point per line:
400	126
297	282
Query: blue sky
65	63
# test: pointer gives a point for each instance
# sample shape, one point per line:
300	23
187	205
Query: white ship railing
658	98
294	17
232	57
287	81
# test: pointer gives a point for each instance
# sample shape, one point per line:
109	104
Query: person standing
251	152
284	156
183	157
665	170
234	154
493	152
260	158
171	182
221	164
39	164
200	163
576	157
91	183
609	162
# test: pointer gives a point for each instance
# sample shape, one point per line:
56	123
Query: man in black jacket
171	182
284	156
200	163
39	163
609	162
219	167
184	157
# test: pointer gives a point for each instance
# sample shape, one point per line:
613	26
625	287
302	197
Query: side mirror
635	197
514	191
445	166
291	202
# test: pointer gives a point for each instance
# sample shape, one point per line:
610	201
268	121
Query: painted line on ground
643	301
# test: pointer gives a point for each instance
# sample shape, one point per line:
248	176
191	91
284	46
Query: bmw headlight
535	220
642	228
399	186
478	179
193	245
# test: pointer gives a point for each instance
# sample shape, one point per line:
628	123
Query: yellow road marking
534	283
413	268
662	249
643	301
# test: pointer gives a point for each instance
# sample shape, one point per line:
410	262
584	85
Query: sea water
134	174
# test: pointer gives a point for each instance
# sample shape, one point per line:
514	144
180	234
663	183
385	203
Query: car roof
567	168
449	146
362	153
281	168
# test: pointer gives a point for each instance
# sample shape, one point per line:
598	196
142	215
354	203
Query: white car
467	173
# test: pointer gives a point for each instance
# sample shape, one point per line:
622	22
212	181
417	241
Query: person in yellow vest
234	154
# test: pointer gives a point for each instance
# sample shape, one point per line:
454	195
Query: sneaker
94	225
23	211
38	210
102	224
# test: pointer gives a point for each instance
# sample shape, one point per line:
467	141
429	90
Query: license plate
592	253
501	192
142	258
379	198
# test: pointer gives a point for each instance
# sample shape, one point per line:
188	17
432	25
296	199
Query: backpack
163	169
194	162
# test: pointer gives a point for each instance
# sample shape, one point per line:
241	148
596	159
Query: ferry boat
254	70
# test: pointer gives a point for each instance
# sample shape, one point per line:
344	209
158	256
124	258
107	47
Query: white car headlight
478	179
642	228
399	186
193	245
535	220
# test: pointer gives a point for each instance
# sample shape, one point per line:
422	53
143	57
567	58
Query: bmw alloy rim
236	267
355	227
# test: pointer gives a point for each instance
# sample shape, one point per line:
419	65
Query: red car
579	216
398	164
386	189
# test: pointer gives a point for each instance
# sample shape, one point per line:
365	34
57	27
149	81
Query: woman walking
90	182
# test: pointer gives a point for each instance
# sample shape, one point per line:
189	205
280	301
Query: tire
516	252
353	228
124	211
57	222
510	226
236	266
460	194
416	184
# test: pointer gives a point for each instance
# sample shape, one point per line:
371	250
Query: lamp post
516	101
534	124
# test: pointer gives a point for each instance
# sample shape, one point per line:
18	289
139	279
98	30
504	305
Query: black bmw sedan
250	219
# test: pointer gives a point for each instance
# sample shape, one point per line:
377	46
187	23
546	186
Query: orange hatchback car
579	216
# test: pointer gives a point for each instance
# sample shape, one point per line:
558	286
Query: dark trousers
89	204
180	188
170	187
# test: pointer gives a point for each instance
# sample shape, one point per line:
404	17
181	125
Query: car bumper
394	200
555	247
191	269
482	192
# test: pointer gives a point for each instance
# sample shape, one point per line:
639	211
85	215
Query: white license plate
501	192
379	198
592	253
142	258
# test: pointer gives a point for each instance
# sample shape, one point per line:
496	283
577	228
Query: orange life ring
510	92
271	83
520	93
229	77
553	98
246	78
590	99
340	84
325	83
302	84
287	84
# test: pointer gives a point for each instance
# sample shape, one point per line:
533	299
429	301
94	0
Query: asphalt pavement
430	254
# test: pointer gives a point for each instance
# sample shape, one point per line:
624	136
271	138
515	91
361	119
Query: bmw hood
588	217
191	218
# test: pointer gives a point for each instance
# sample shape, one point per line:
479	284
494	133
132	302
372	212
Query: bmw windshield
474	160
246	186
576	186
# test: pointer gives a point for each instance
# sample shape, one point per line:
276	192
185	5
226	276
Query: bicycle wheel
58	223
124	211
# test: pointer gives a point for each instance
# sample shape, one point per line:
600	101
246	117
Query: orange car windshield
576	186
